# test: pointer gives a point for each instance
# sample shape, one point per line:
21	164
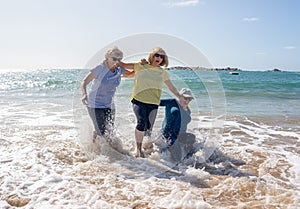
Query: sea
248	144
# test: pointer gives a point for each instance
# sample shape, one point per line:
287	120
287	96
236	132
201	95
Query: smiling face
112	61
112	56
184	101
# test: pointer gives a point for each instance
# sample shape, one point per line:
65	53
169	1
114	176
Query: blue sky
247	34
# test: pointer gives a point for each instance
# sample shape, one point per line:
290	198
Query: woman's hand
91	76
84	99
144	61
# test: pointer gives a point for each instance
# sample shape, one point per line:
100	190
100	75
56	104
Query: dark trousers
103	120
145	115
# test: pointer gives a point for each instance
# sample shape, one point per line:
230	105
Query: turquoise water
262	93
249	93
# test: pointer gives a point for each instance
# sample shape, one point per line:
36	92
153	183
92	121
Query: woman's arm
91	76
126	65
129	74
168	102
172	88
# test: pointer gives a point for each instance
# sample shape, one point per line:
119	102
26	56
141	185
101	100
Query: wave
25	81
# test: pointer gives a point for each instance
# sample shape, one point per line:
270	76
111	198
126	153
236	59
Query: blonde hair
159	50
114	52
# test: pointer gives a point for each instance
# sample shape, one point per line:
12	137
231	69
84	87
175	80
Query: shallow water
48	159
47	166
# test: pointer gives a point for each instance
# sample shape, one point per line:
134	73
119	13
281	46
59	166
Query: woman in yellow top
147	89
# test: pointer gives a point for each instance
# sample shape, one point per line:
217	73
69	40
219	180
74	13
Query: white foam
295	169
41	160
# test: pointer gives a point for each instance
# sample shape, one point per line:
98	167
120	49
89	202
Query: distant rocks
275	70
202	68
230	69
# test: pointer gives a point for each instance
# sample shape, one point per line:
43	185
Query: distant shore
217	69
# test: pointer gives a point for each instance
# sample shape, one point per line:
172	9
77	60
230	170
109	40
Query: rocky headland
217	69
202	68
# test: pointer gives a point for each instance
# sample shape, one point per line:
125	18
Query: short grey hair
114	52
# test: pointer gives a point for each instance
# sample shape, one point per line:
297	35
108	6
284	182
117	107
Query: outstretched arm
126	65
128	74
172	88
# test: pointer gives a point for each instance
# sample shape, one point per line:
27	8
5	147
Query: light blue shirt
104	87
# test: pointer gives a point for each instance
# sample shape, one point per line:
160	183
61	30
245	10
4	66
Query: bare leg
94	136
139	135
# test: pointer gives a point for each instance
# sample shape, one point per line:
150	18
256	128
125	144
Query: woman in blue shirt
174	128
106	78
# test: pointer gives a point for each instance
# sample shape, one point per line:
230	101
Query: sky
65	34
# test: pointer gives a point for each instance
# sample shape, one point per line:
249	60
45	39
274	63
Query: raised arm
172	88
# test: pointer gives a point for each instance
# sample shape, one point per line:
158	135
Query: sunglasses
159	55
116	59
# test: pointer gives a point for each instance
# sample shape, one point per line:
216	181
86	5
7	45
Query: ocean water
48	159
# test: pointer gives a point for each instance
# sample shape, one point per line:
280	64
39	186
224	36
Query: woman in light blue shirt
106	78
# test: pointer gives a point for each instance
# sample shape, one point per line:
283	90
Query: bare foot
139	154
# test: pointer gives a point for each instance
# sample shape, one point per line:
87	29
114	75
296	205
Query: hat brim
187	96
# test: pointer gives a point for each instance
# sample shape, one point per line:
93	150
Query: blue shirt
104	86
176	119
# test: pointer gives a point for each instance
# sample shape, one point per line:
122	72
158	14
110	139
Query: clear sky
247	34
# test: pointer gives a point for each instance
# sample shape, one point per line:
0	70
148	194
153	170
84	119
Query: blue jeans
169	131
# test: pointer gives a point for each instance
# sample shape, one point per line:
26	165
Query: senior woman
147	89
106	78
